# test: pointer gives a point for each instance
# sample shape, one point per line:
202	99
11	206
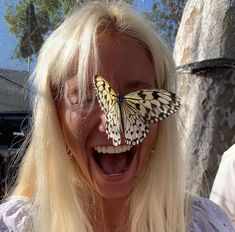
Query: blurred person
223	189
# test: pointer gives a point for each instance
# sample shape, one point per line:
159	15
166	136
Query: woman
75	178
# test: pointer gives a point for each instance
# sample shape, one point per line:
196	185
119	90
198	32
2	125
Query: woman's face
127	68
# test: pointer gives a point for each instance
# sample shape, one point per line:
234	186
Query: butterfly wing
143	107
136	125
108	101
135	111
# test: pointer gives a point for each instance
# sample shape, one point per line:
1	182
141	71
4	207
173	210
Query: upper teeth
112	149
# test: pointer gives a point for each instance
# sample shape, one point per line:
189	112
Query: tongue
113	163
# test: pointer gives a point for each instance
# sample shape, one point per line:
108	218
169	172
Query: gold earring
69	153
152	152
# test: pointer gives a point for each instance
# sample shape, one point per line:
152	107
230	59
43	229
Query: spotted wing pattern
135	112
144	107
107	99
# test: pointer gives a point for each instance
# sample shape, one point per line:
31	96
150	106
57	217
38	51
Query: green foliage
45	15
31	21
166	16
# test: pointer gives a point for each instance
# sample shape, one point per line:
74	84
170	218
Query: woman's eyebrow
71	89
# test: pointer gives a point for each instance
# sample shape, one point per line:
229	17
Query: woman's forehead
124	59
109	42
120	59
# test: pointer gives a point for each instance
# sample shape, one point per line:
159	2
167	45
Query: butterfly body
132	113
120	98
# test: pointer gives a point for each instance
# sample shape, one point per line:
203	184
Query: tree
166	16
32	20
32	38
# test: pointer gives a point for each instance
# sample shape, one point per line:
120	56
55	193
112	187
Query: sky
7	46
8	42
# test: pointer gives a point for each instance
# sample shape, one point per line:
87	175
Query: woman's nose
102	122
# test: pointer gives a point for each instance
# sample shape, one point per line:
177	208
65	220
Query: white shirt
223	190
16	215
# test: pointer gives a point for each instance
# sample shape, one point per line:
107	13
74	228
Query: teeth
114	174
112	149
104	149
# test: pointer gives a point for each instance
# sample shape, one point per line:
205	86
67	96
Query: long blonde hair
59	193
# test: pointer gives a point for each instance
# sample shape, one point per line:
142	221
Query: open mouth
114	161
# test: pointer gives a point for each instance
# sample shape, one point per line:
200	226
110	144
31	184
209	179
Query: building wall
13	90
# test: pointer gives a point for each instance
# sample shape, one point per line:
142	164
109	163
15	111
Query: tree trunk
205	57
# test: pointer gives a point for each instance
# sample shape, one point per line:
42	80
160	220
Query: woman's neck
115	213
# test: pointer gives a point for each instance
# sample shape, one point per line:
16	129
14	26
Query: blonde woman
92	164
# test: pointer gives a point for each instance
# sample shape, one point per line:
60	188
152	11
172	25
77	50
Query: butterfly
132	113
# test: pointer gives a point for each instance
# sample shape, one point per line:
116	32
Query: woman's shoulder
207	216
16	215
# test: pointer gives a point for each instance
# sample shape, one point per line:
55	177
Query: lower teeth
114	174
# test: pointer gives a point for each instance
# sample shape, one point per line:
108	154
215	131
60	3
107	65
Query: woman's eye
86	103
73	100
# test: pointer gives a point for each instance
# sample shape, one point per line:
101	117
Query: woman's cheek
147	146
75	125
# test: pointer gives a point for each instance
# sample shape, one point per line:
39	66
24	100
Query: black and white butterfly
132	113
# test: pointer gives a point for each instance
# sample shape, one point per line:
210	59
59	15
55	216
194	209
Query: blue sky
8	41
7	45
